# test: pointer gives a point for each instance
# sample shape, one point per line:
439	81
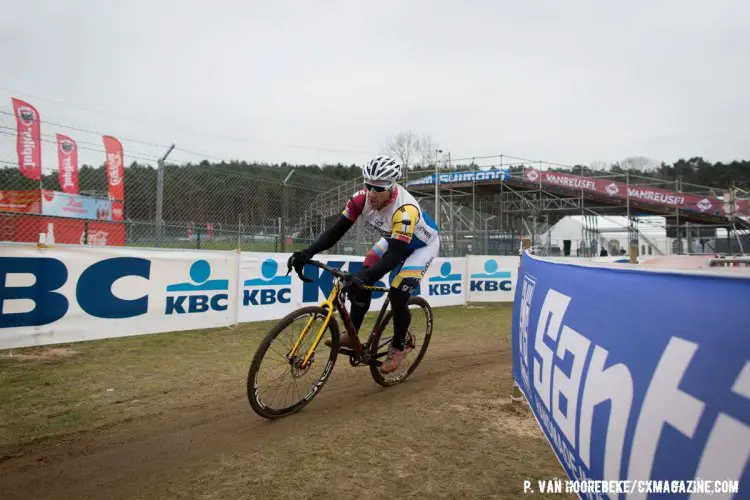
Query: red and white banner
103	234
65	231
28	139
67	164
620	190
117	211
115	168
26	202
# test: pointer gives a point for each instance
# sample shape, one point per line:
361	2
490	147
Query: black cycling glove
298	260
353	284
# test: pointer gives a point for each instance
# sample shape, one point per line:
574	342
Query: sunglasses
377	189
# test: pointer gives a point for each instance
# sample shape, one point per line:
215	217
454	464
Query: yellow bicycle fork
329	304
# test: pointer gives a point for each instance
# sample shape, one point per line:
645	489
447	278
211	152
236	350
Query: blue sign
322	281
634	374
491	280
447	283
200	272
269	289
455	177
76	206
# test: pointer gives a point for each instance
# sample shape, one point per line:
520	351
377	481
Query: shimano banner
459	177
636	374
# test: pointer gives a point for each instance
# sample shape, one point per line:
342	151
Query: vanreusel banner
69	294
636	375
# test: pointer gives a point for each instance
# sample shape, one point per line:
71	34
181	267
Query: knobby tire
252	391
375	370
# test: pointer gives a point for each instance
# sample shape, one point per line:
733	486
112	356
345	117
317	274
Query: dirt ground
450	431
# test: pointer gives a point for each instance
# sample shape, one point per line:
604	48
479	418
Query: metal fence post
678	188
284	211
160	196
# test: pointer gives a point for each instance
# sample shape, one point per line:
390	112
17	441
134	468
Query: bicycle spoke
417	337
273	385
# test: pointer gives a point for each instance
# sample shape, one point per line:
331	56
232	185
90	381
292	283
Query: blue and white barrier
636	374
73	293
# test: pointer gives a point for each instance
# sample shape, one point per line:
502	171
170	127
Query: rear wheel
292	385
417	339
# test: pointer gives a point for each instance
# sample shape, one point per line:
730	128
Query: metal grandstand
492	210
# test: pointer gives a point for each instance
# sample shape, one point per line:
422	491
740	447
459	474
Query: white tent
613	233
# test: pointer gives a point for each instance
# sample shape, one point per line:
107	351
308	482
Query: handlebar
336	272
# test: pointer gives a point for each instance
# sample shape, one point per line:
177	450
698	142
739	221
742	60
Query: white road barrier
70	293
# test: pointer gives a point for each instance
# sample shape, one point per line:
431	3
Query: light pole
486	237
437	188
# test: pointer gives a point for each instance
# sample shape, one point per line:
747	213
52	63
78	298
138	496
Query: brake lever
299	273
302	277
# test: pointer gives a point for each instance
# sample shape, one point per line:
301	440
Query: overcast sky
562	81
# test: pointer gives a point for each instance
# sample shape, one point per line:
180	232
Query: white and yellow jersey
401	218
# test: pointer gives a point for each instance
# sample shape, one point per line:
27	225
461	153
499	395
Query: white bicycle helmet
383	171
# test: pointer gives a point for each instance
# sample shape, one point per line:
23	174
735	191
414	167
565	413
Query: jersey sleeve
355	205
404	221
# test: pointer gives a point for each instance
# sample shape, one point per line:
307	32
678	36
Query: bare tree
404	146
640	164
412	151
599	165
428	154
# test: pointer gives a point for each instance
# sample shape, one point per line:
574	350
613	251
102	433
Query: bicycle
300	361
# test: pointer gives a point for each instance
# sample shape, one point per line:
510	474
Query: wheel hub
298	368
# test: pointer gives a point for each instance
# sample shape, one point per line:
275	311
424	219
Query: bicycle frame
335	301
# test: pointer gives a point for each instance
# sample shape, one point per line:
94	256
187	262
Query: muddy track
141	461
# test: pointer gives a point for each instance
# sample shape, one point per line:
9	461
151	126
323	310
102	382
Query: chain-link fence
205	205
236	205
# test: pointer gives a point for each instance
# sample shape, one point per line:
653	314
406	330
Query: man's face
375	198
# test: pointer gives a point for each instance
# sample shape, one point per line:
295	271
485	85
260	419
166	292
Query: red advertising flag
28	139
117	210
67	161
115	168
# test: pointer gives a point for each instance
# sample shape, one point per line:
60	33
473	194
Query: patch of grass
106	383
461	439
446	433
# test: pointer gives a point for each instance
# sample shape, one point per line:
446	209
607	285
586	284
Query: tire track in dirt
142	460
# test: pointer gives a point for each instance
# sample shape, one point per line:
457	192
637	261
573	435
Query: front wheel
273	356
417	339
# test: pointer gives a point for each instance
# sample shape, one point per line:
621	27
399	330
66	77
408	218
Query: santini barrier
70	293
636	374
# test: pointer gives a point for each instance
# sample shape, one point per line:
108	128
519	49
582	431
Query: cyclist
409	237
